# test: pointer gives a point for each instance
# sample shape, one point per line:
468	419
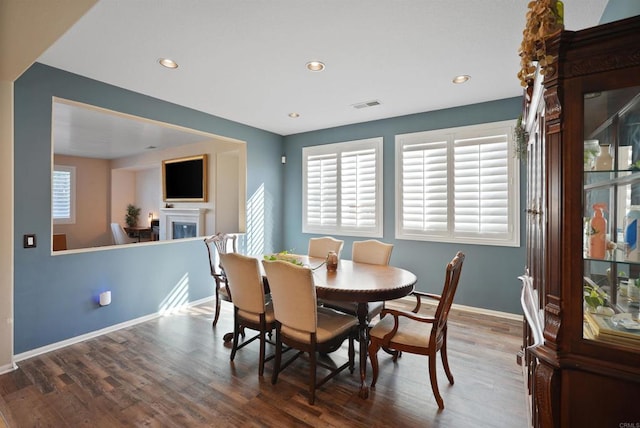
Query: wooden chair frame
219	241
312	348
383	336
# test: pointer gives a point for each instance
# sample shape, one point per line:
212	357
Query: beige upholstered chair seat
251	308
302	325
410	332
330	324
403	331
253	317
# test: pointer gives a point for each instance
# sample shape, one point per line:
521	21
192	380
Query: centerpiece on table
284	255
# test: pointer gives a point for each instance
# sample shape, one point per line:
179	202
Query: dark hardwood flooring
175	372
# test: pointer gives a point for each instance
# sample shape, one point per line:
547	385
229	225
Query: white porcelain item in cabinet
604	161
591	151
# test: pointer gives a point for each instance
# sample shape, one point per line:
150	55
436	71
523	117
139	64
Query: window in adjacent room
63	194
458	185
342	188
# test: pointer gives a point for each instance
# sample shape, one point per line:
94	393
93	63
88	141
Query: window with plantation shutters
63	210
458	185
342	188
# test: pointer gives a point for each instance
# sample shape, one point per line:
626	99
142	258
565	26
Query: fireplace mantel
168	216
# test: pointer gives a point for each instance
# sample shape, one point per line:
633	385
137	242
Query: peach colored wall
93	187
123	193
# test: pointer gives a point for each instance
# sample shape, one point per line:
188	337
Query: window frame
375	143
72	195
451	135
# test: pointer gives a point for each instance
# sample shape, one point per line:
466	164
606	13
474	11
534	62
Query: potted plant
132	215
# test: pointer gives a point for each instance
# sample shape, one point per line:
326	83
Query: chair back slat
245	282
293	294
452	277
223	243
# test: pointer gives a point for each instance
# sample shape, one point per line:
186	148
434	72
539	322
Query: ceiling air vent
367	104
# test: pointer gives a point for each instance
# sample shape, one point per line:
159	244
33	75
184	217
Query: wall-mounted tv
185	179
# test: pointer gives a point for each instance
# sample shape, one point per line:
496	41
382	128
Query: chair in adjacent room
220	243
373	252
415	333
302	325
320	247
250	308
119	235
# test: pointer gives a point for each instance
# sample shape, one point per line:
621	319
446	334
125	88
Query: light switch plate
29	241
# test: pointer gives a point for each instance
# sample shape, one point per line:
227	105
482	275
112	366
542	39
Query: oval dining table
361	283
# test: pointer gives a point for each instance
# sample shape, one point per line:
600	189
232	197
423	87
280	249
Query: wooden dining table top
358	282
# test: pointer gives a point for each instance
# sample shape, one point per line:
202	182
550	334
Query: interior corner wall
6	226
227	165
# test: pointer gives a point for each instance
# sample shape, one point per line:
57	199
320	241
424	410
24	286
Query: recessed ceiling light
315	66
169	63
461	78
294	115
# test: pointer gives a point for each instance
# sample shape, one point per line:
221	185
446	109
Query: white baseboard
7	368
77	339
482	311
471	309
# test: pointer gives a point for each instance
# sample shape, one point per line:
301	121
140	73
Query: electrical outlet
29	241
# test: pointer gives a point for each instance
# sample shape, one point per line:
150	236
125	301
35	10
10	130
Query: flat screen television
185	179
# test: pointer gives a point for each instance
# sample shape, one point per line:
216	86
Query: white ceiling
245	60
87	131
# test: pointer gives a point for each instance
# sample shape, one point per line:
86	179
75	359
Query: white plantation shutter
424	176
458	185
322	190
481	185
358	188
63	194
342	186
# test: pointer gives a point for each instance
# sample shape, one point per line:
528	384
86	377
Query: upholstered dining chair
250	308
320	247
373	252
302	325
119	235
409	331
220	243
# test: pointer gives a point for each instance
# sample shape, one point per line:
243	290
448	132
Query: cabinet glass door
611	217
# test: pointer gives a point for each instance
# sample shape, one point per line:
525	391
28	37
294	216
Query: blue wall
489	278
620	9
54	296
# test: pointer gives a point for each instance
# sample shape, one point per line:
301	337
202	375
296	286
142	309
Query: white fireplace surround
168	216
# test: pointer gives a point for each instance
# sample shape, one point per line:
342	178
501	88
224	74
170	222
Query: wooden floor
175	372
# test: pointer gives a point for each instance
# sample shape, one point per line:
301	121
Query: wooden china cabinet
587	372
